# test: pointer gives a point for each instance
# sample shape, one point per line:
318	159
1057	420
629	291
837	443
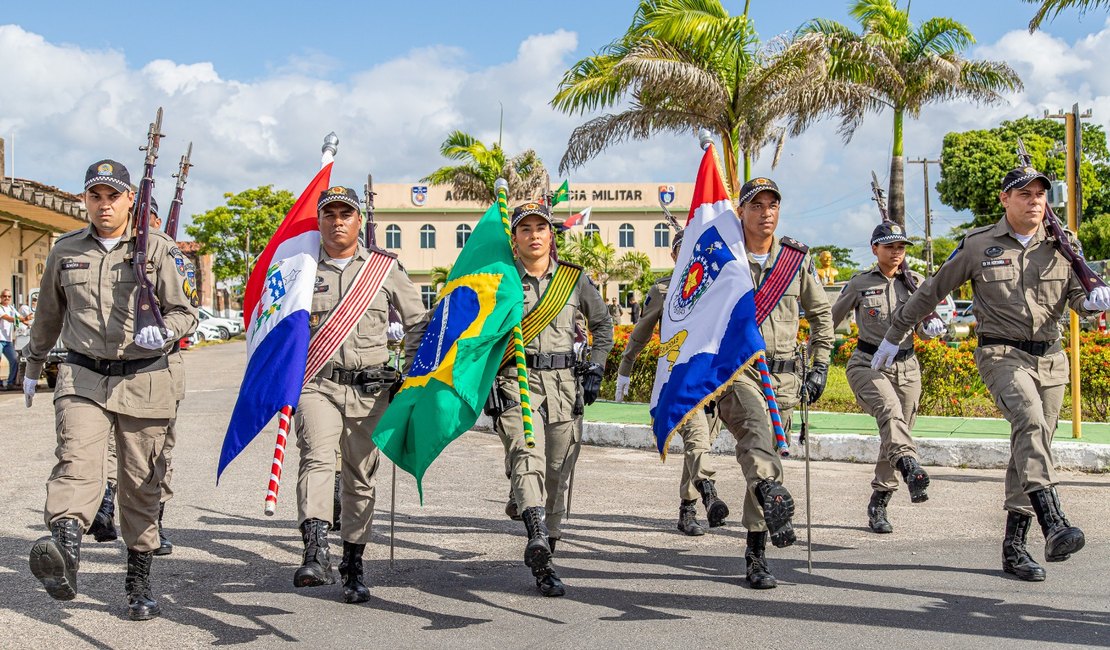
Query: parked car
964	315
946	309
225	328
206	331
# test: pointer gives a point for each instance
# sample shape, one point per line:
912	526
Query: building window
428	295
626	236
624	292
662	235
592	229
462	233
393	236
427	236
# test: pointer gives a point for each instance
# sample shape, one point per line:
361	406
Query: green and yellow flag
454	368
561	194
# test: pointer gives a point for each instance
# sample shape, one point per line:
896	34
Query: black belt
871	348
380	376
118	368
779	366
1035	348
557	361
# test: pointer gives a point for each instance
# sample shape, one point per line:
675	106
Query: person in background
9	320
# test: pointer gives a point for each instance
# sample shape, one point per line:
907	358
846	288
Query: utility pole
1073	144
925	162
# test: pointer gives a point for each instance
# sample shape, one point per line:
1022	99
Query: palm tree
687	64
1054	7
439	276
907	66
600	261
481	167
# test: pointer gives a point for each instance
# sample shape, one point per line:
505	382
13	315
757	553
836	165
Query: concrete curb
855	448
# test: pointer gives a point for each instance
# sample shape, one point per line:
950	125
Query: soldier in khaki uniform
115	383
541	474
342	404
1022	285
697	434
890	395
768	506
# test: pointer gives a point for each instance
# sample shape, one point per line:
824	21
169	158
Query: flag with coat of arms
708	332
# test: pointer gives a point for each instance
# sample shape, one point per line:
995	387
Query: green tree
1094	235
239	230
1054	7
439	276
481	166
601	262
907	67
841	256
688	64
942	247
973	164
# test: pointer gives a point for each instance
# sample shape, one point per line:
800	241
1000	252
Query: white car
225	327
946	309
206	332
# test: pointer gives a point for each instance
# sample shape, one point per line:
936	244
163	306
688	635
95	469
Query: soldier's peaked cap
755	186
1022	176
108	172
338	193
529	209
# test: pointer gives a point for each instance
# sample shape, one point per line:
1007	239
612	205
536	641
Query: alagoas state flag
708	331
454	367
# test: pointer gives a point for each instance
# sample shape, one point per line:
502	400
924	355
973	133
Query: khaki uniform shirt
645	327
365	346
87	296
780	329
874	298
1020	292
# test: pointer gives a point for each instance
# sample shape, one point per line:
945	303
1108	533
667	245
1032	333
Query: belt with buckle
779	366
118	367
557	361
1035	348
871	348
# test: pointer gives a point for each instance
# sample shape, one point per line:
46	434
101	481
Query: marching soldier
342	404
696	434
889	395
115	383
554	292
1023	284
784	274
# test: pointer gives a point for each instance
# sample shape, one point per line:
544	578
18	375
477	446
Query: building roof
40	206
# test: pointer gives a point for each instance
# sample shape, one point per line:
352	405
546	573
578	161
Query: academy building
427	227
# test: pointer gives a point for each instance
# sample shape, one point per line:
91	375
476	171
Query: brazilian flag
464	342
561	194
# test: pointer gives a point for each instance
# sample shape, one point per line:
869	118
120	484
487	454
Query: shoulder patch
794	243
573	266
70	234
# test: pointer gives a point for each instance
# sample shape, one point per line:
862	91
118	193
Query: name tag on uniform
321	288
69	265
1002	262
872	292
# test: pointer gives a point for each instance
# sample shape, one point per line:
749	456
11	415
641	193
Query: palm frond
637	123
939	36
1051	8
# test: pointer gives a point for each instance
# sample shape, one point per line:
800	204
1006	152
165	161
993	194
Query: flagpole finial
705	138
501	184
331	143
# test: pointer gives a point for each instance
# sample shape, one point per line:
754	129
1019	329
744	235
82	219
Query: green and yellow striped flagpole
518	340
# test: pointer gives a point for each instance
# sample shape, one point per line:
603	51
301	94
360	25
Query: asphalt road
633	581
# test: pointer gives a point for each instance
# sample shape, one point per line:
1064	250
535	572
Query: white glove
623	384
884	356
935	327
150	337
29	388
1099	300
396	332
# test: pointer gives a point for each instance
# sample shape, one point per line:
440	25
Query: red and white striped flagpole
331	145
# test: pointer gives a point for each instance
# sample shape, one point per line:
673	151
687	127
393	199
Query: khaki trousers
697	436
540	476
167	451
1029	391
891	396
76	485
743	409
322	430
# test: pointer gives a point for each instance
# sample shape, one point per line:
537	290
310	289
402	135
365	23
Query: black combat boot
538	551
103	527
350	569
551	542
715	509
511	509
55	559
165	546
141	605
315	570
876	512
1061	539
759	576
916	478
688	518
778	509
1015	557
548	582
337	505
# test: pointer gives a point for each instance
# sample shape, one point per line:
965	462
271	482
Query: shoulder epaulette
382	251
794	243
664	277
573	266
70	234
977	230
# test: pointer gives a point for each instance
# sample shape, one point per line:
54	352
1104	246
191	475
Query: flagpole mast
327	156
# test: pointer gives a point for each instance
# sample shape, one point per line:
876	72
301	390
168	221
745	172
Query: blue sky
256	85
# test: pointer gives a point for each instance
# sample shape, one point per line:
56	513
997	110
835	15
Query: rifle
907	280
1086	276
147	313
175	208
371	227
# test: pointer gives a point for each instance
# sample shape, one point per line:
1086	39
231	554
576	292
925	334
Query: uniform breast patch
1006	261
69	265
993	251
321	288
872	292
872	312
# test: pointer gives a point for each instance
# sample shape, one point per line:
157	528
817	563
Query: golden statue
826	272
